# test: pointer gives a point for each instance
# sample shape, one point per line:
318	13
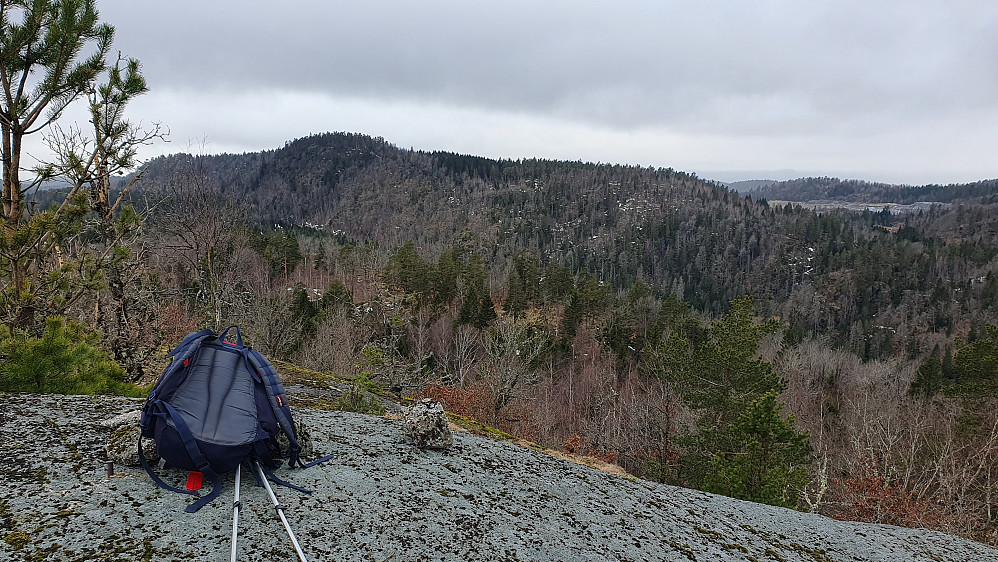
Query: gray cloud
739	70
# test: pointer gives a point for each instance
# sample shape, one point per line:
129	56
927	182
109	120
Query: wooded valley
838	362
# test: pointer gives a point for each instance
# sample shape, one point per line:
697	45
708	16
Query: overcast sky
902	91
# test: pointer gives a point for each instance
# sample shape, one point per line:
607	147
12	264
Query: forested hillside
830	275
836	362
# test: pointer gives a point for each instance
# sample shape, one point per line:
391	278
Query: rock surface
381	498
121	447
428	426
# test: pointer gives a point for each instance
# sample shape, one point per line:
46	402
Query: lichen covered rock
121	447
383	499
428	426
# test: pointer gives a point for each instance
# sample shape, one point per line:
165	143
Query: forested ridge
918	273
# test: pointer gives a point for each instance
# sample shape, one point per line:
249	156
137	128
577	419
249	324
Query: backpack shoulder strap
155	478
166	411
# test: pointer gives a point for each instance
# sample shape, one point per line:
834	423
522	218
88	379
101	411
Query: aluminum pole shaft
280	512
235	517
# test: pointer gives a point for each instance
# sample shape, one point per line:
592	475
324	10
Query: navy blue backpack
215	406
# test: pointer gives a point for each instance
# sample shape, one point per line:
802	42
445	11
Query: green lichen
684	549
17	539
815	553
775	555
40	475
708	532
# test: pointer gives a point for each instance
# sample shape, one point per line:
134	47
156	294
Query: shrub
63	360
360	398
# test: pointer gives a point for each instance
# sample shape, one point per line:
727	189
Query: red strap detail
194	479
187	362
280	401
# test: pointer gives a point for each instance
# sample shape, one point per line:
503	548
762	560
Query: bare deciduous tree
206	235
508	366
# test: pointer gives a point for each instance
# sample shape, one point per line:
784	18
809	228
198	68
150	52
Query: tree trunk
13	213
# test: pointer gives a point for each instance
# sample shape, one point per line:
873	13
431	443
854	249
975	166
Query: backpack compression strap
277	480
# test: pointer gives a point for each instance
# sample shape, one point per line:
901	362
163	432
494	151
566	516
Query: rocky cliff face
382	499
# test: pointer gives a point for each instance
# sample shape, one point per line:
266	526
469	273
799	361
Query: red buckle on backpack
280	401
194	479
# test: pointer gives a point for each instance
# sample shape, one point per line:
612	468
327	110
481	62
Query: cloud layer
903	91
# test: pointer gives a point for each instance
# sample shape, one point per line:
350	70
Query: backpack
215	406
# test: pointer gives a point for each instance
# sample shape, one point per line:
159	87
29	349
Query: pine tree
929	378
44	67
769	461
723	375
53	56
719	375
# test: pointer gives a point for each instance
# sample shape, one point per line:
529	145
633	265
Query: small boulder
428	426
128	418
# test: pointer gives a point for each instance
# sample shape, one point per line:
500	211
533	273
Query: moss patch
17	539
293	374
479	428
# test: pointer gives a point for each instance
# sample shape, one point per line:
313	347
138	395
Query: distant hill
621	223
749	185
673	231
858	191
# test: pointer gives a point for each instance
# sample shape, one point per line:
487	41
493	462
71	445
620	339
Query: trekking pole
280	512
235	516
